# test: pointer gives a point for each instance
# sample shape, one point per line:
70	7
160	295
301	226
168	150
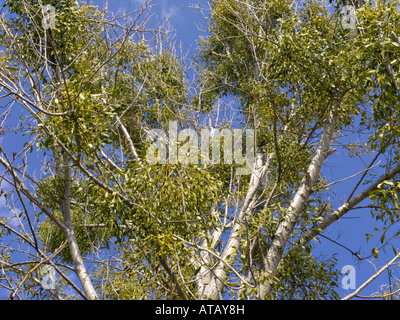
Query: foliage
95	89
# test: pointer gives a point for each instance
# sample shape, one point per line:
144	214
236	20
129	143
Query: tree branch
366	283
214	287
274	253
348	205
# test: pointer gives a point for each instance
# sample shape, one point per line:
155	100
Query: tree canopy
94	96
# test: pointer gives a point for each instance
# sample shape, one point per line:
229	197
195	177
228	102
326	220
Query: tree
99	92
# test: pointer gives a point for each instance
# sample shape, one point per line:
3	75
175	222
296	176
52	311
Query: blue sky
185	21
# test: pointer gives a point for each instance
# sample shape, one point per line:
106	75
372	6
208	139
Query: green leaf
375	252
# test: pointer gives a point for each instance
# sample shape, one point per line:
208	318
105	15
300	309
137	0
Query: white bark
274	253
127	137
69	233
207	260
211	282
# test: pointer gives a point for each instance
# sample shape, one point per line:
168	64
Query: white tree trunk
69	233
274	253
212	277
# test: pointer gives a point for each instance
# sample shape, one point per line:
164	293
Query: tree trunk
69	232
274	253
211	282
